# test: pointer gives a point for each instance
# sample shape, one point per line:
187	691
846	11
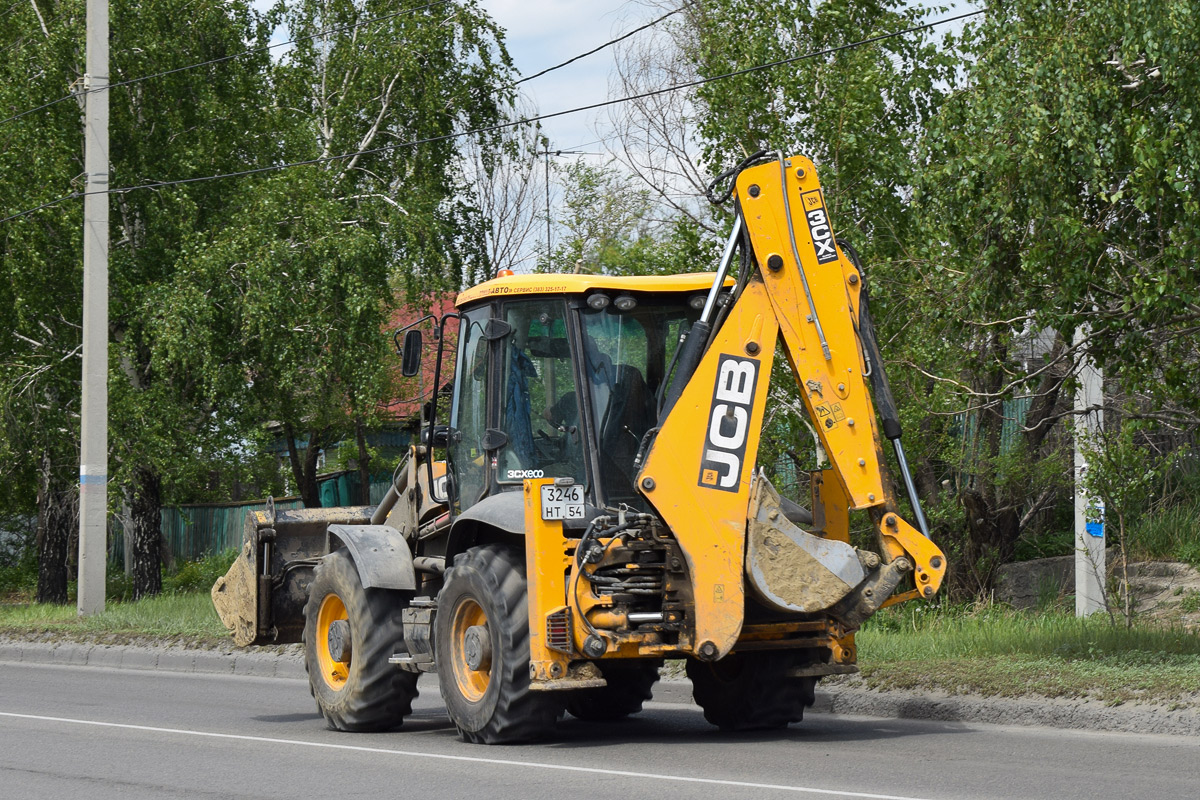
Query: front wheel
748	691
349	635
481	640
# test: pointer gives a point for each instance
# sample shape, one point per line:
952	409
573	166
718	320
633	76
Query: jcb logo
729	423
818	227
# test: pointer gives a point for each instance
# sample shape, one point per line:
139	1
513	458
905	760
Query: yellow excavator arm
699	473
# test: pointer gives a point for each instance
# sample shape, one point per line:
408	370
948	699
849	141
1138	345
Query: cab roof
551	284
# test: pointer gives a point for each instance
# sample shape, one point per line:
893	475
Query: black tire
751	691
629	686
365	693
485	591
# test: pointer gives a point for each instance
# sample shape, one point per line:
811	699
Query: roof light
625	302
696	302
598	301
504	273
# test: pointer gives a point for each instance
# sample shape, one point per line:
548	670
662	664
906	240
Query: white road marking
468	759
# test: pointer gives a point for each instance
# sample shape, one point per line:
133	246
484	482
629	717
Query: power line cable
595	50
26	213
15	44
222	59
7	11
512	123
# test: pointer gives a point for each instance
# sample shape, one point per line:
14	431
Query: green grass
997	651
183	611
1168	535
168	616
18	582
1190	603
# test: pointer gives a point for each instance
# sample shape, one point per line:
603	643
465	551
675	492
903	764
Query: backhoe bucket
261	599
792	570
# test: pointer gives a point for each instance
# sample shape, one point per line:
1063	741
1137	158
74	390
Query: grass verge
995	651
189	617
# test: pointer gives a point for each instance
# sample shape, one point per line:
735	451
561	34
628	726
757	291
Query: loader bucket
260	600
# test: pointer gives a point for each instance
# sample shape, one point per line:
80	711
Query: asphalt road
100	733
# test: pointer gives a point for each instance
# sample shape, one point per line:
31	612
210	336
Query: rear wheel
349	635
629	686
482	649
748	691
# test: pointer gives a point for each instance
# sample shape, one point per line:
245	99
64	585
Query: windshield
539	407
626	358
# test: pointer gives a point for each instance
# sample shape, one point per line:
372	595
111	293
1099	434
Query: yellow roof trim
549	283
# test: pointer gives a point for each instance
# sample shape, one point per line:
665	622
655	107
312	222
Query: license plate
562	502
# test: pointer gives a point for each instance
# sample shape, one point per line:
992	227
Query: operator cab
562	377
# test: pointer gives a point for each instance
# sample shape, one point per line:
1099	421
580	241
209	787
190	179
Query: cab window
539	404
626	358
468	415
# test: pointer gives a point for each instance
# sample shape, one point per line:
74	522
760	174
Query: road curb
1039	712
288	663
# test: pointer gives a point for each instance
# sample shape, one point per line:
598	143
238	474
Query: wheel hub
477	647
332	642
338	640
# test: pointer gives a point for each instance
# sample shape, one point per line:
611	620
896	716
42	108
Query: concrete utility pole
1089	526
93	461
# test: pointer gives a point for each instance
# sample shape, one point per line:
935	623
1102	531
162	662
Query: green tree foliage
1060	189
609	225
41	279
857	113
399	88
1068	168
281	316
182	125
376	222
159	425
282	313
602	217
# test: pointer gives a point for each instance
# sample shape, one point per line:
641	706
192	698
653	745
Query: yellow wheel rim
335	673
472	683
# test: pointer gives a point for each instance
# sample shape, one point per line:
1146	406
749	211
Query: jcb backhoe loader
598	507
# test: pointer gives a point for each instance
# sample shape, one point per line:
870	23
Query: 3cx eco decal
521	474
818	226
728	423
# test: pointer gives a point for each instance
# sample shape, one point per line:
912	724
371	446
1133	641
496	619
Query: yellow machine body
700	472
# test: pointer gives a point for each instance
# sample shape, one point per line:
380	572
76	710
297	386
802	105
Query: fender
380	554
503	512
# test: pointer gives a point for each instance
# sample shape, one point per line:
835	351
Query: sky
542	33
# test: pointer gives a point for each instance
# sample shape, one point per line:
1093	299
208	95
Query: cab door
469	417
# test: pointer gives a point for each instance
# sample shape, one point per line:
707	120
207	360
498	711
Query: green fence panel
192	531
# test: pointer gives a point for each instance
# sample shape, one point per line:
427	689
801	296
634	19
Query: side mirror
440	436
410	354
